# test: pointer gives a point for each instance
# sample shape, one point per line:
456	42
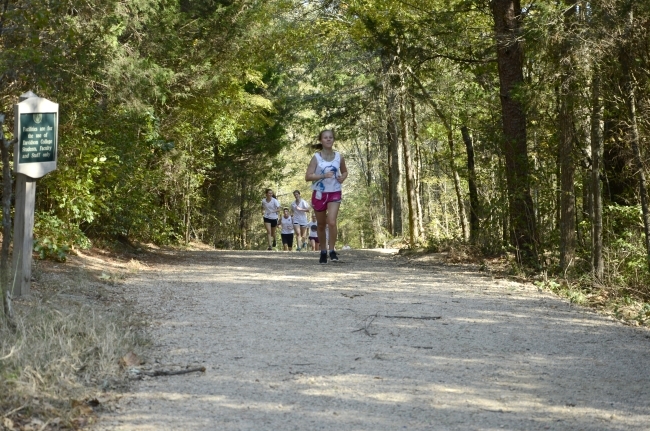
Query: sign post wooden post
23	234
36	130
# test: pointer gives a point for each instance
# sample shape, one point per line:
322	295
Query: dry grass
63	359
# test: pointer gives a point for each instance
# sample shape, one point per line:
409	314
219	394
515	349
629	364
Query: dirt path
291	345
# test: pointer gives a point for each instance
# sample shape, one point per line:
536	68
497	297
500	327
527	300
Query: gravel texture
374	342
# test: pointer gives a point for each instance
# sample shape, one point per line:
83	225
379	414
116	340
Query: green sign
37	138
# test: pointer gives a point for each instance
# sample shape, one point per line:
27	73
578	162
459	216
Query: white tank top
287	224
313	229
327	185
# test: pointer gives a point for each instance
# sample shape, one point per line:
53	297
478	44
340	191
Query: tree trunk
507	17
243	216
408	170
565	148
567	178
630	101
473	190
369	167
462	214
638	161
393	168
597	264
5	275
384	219
587	205
187	211
417	168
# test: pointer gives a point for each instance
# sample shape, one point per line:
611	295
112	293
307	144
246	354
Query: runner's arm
311	175
305	208
343	172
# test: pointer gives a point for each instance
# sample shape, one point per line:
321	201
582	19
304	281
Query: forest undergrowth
622	295
61	364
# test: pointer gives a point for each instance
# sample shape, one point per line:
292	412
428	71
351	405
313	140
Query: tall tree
394	170
474	223
507	25
567	89
417	165
6	313
409	172
627	63
596	167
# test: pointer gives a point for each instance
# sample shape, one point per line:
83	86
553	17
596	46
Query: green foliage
573	293
625	254
54	238
48	249
439	245
644	313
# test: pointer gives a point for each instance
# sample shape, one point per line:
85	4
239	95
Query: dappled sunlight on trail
372	344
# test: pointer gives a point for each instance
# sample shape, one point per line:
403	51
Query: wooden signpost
36	131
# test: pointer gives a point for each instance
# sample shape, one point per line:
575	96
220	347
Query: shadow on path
369	344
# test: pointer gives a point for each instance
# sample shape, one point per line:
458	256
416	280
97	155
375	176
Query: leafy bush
439	245
47	249
625	254
55	238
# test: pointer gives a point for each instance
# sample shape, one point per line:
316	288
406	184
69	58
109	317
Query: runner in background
287	230
299	210
313	232
271	208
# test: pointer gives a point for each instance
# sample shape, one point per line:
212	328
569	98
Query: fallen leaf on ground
34	425
9	424
130	359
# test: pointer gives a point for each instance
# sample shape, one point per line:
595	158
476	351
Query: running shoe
269	249
333	256
323	258
274	242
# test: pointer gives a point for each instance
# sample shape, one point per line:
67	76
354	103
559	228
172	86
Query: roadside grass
62	362
610	300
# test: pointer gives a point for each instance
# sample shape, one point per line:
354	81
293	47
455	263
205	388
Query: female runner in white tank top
299	210
327	171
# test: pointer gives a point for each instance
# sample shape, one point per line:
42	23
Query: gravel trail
374	343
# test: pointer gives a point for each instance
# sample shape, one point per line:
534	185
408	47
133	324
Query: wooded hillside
519	128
